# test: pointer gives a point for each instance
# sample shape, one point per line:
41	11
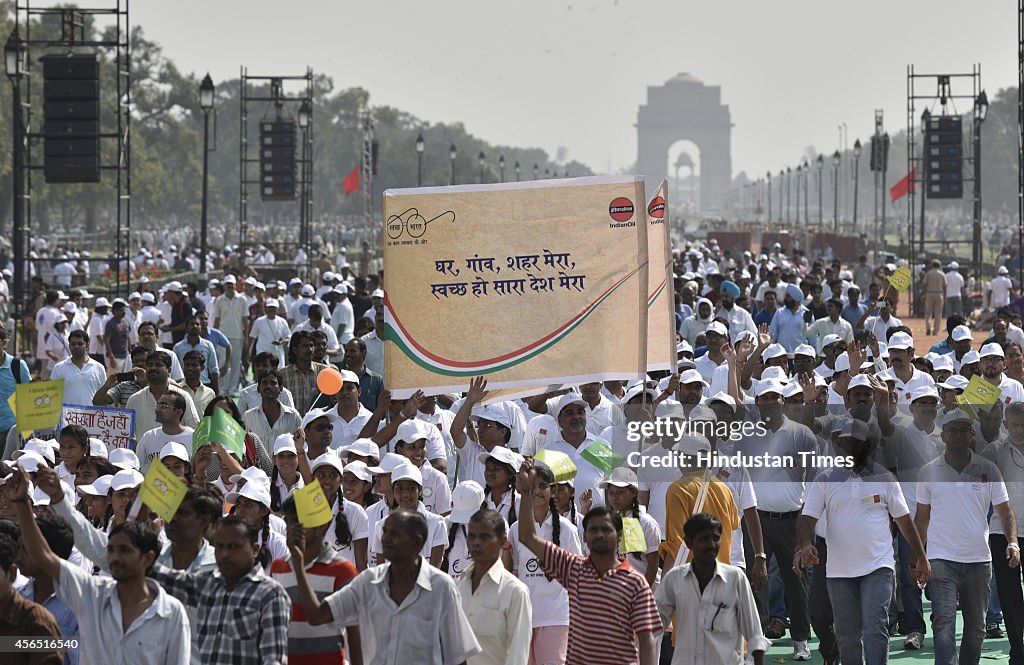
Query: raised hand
764	336
16	485
48	481
812	391
586	501
524	479
296	543
477	390
412	405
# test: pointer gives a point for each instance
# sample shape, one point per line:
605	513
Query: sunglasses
321	428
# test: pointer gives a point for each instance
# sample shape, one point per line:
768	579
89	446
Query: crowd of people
814	468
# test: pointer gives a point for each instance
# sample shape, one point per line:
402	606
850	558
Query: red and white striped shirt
605	612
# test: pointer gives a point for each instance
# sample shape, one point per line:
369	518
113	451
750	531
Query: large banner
528	284
661	318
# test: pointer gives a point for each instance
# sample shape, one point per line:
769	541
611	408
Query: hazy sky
552	73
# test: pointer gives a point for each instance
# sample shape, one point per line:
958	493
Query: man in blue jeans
857	502
953	497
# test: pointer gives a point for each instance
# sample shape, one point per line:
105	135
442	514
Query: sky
572	73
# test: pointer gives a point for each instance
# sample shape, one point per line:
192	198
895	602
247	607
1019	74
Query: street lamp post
501	168
856	180
789	192
516	167
807	184
206	94
14	62
452	154
482	160
782	183
836	161
769	175
305	111
799	173
980	112
420	147
821	210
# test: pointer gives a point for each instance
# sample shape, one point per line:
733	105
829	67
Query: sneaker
913	641
800	650
993	631
775	629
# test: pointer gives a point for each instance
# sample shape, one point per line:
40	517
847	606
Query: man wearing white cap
961	345
170	409
231	317
571	437
780	498
999	289
953	501
908	378
954	290
352	415
270	332
298	312
343	319
715	336
993	362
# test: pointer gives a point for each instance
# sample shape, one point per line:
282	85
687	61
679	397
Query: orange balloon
329	381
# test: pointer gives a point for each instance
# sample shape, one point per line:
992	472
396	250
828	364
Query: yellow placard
661	317
563	259
981	392
561	466
900	280
633	539
312	506
38	404
162	491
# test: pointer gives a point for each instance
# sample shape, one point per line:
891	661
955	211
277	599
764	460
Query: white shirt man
1000	289
271	332
954	284
343	319
82	377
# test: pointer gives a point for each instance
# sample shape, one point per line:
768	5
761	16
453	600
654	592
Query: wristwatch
760	555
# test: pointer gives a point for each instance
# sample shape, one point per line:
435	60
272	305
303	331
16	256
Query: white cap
692	376
102	302
494	414
622	476
717	327
252	491
30	460
285	443
251	281
272	302
377	293
861	380
942	362
389	463
41	498
691	444
123	458
252	474
1002	271
175	449
792	389
503	455
97	448
313	414
413	430
361	447
851	428
970	358
99	487
38	446
773	351
467	497
173	286
923	391
327	459
146	297
724	398
359	469
328	276
348	376
228	279
770	386
407	472
829	340
953	416
775	373
294	280
901	340
992	349
953	265
70	307
307	290
954	382
805	350
568	399
961	333
125	479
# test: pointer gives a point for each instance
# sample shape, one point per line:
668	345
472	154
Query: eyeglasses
488	425
321	428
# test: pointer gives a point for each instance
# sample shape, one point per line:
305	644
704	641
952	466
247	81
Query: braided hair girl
350	525
500	480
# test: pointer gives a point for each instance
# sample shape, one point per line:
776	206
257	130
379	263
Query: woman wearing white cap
622	494
412	444
500	468
357	484
175	456
549	598
96	497
349	531
382	485
466	499
407	487
253	503
284	477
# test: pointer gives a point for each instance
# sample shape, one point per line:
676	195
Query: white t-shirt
958	524
1000	288
857	510
152	441
436	535
358	526
267	331
954	284
743	495
549	598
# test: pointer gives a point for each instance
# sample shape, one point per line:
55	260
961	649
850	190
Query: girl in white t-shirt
348	533
407	487
549	598
621	494
565	500
500	490
437	495
252	502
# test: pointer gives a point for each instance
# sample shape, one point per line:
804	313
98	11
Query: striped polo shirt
605	612
314	645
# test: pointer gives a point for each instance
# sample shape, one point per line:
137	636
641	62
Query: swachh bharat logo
412	223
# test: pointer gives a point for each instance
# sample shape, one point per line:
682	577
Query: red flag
903	187
351	182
